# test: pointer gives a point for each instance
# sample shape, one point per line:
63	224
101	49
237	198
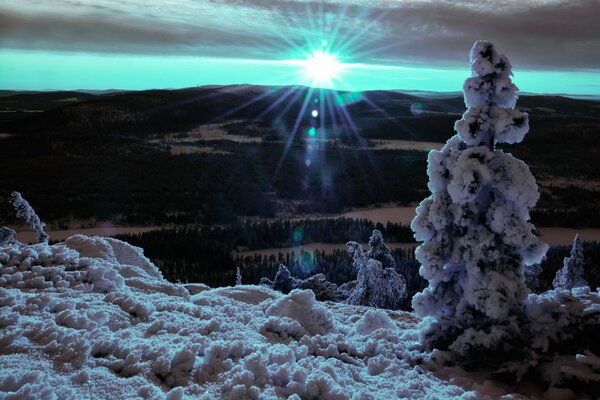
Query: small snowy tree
28	215
571	274
475	226
284	281
376	286
238	277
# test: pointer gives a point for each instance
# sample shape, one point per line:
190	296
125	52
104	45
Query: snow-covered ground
92	318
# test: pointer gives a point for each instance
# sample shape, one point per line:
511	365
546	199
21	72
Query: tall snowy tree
475	226
571	275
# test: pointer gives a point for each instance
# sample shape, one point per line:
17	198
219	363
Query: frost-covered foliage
532	273
26	213
571	274
376	285
560	333
7	236
238	277
93	318
344	291
475	225
379	251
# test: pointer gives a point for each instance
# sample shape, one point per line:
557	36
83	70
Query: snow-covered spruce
475	225
571	275
377	284
93	318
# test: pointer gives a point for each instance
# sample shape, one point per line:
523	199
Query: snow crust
93	318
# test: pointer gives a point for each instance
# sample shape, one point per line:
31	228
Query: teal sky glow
44	70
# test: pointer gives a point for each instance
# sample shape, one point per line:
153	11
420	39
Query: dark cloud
545	35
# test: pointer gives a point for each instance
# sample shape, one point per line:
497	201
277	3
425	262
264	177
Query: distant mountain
155	111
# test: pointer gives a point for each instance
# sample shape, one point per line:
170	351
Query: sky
554	46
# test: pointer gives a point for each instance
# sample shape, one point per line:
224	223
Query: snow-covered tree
571	275
284	281
28	215
238	277
475	226
376	286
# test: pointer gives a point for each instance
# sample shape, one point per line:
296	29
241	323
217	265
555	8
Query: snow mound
302	307
93	318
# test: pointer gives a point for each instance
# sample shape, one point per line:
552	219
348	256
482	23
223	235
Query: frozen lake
29	236
403	215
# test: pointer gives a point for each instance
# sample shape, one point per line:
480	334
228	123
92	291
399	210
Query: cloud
536	35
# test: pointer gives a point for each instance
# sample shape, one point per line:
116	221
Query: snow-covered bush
321	287
475	226
28	215
571	274
318	283
376	286
7	236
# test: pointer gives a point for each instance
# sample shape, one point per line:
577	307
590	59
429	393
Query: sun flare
322	67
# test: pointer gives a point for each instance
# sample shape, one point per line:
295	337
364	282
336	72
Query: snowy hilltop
93	318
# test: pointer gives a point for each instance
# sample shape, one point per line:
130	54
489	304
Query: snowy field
92	318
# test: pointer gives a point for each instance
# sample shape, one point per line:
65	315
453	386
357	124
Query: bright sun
322	67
